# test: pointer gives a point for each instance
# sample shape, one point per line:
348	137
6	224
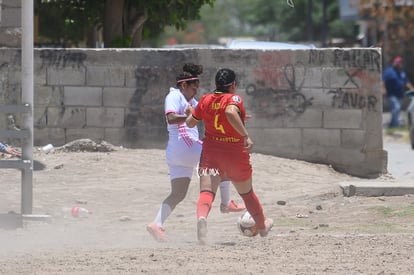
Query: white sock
163	213
225	192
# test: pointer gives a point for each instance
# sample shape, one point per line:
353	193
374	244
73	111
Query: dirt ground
317	230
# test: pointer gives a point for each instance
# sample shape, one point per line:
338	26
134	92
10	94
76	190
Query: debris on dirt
86	145
60	166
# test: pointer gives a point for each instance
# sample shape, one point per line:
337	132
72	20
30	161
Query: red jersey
223	147
211	109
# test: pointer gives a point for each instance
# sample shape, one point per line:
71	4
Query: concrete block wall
10	23
320	105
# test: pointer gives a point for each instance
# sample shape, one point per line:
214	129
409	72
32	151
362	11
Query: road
400	158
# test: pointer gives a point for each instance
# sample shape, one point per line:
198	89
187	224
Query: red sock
205	200
254	207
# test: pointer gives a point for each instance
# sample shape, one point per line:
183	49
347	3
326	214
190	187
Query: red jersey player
225	152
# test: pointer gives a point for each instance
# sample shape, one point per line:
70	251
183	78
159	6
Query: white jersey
175	102
184	145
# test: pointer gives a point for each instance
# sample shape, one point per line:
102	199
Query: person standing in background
395	82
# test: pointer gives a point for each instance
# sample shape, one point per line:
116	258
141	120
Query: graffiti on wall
9	90
351	95
276	101
355	58
354	65
350	99
145	104
62	58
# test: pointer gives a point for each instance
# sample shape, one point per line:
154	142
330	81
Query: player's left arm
233	116
191	121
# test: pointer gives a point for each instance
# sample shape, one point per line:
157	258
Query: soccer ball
246	225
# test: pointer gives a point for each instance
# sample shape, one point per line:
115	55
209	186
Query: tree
67	22
278	21
389	27
125	23
272	20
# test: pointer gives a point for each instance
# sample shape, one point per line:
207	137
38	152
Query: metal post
309	20
27	98
324	23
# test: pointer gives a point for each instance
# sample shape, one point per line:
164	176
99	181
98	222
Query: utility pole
309	21
324	23
27	98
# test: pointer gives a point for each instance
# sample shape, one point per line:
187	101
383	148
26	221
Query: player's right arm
172	108
233	117
174	118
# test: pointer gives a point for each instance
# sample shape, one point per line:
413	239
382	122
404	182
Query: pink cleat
232	207
157	232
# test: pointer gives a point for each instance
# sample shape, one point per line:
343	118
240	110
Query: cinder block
316	153
47	96
105	117
40	117
70	117
66	76
11	17
352	138
346	157
12	3
342	119
82	96
105	76
55	136
117	97
259	121
321	137
317	98
10	37
277	141
310	118
312	79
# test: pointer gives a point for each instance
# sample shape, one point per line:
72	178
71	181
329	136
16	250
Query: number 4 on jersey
217	126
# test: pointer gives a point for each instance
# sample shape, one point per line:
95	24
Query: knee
177	197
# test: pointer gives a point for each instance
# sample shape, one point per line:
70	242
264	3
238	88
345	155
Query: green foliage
68	19
272	20
122	42
278	21
64	22
176	13
386	211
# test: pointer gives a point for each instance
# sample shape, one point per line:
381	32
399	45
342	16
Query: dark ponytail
224	79
190	74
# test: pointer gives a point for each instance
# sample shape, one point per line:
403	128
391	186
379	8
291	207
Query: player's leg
253	206
208	189
240	172
227	205
179	188
180	180
395	107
